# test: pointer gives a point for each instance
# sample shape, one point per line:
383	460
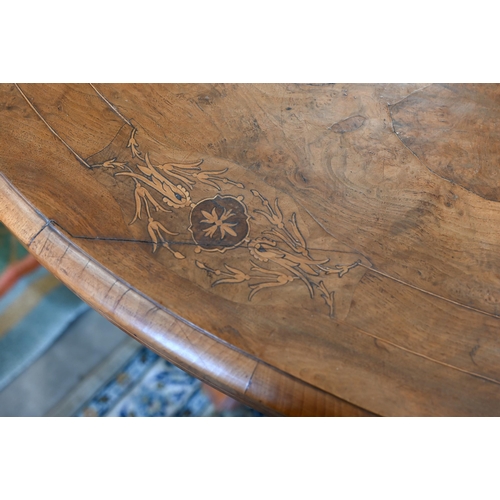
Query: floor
75	365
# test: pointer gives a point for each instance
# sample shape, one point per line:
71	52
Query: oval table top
307	249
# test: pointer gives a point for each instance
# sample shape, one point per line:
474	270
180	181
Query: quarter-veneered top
308	249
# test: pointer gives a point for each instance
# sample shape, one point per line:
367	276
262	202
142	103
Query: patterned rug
149	386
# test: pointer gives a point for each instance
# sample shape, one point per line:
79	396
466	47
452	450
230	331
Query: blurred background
58	357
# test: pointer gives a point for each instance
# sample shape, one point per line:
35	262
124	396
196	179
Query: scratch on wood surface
249	383
38	232
472	353
120	299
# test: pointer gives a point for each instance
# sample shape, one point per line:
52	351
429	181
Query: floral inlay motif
218	223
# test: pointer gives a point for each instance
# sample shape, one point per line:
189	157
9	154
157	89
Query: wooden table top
307	249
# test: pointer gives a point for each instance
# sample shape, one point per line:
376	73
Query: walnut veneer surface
307	249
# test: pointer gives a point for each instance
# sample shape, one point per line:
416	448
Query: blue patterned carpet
149	386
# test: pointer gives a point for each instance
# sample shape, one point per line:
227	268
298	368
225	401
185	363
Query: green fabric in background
34	312
10	249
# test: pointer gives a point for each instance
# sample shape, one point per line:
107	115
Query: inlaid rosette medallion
219	223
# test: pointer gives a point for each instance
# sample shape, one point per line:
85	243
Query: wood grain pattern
306	249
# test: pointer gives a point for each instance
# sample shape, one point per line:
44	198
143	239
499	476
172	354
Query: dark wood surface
307	249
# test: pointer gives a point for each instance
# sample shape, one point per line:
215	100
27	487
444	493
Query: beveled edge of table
199	353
